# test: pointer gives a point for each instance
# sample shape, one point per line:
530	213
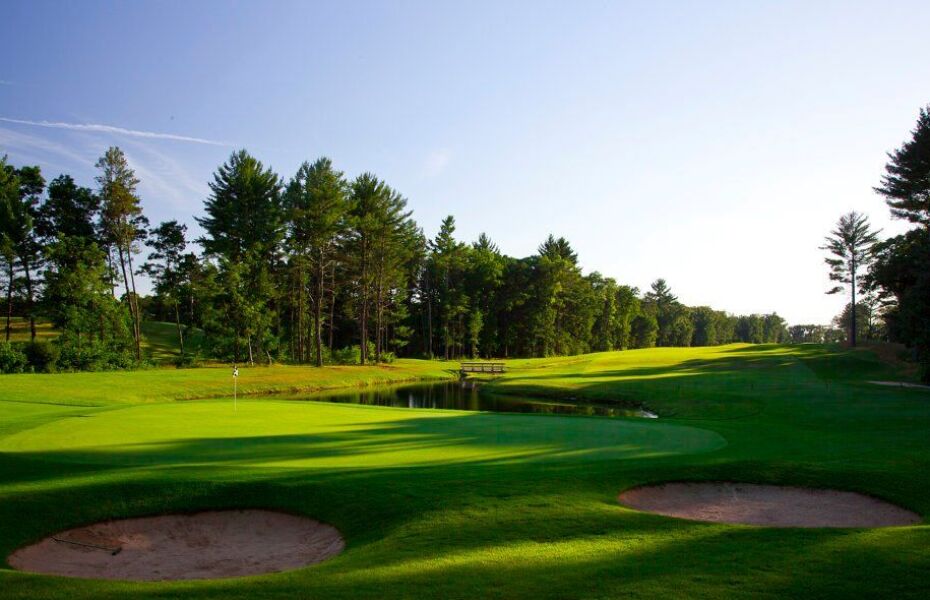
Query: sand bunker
203	545
766	505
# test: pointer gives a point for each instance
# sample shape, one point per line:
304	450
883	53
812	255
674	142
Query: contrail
114	130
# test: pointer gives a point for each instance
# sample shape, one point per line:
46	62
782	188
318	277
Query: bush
42	356
351	355
94	356
12	359
186	361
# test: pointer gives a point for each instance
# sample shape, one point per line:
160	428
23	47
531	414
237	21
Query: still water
467	396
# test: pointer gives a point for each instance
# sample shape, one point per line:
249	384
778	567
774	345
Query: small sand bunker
204	545
766	505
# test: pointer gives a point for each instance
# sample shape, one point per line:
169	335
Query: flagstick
235	388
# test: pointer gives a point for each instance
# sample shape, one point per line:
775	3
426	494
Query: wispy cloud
165	178
32	146
97	128
436	162
6	82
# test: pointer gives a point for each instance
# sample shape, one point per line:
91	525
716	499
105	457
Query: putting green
266	433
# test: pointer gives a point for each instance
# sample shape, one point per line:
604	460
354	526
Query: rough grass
448	504
20	332
160	341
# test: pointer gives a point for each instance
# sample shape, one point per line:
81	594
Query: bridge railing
482	367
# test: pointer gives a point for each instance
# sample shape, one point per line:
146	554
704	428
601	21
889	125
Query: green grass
20	332
160	341
451	504
159	338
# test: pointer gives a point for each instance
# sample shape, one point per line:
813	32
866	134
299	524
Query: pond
466	395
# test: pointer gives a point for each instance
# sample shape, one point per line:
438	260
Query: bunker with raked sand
766	505
203	545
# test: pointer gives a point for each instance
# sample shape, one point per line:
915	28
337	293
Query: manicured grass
159	385
450	504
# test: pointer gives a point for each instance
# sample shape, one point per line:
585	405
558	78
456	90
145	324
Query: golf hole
204	545
766	505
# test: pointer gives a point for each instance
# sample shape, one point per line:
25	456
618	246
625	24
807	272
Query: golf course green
455	504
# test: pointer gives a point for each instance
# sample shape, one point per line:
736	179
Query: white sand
766	505
203	545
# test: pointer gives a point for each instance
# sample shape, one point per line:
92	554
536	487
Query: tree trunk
9	301
134	299
177	319
318	310
363	351
301	355
332	304
110	270
429	321
852	336
132	314
29	303
379	313
190	309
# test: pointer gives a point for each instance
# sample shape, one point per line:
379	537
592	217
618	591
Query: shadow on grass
491	531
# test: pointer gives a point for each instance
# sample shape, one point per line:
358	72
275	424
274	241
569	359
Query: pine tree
244	227
168	244
318	209
448	261
906	183
9	199
123	223
850	246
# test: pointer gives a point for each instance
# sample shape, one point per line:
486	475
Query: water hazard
467	396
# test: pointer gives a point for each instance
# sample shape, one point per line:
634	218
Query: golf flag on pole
235	388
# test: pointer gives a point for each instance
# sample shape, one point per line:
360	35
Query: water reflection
465	396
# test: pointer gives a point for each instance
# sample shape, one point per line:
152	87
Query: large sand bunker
766	505
203	545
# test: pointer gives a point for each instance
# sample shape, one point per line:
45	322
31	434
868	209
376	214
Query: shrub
186	361
12	359
350	355
42	356
94	356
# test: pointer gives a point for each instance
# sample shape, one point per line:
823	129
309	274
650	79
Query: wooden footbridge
481	367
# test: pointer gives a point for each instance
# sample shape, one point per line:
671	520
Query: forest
322	268
316	269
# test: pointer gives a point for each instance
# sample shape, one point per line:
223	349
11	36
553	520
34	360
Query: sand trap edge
765	505
204	544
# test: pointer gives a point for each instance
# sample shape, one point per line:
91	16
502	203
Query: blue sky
710	143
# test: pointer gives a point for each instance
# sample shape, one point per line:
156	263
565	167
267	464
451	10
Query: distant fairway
451	504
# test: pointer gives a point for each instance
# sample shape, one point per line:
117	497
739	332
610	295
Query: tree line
315	269
888	282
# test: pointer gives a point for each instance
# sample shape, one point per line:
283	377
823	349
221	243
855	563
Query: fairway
455	504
